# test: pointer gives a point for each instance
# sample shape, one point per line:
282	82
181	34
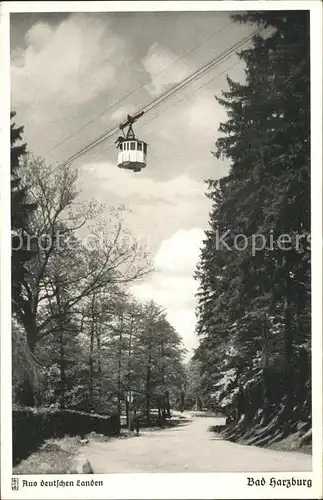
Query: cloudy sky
74	76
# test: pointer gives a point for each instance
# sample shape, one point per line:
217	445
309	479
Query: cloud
171	292
160	57
180	252
177	296
39	35
121	113
68	64
191	122
159	208
184	321
69	72
106	177
172	286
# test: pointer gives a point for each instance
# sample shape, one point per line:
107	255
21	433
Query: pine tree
21	210
254	306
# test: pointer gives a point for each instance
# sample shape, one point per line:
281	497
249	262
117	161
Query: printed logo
15	483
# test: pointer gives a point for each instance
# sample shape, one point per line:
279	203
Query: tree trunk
30	324
182	401
91	369
127	412
91	366
120	364
26	393
129	361
265	344
265	377
148	390
167	404
62	370
288	337
265	357
98	343
61	351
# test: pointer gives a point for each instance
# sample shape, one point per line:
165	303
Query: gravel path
189	448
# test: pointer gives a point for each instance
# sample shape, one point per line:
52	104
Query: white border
229	485
5	246
133	6
316	235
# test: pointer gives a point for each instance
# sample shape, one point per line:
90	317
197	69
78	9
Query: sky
87	71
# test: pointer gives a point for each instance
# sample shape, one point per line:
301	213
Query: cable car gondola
132	152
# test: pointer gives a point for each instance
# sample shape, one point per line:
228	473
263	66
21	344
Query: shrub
32	426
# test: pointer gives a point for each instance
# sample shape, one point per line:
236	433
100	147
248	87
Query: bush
26	374
31	427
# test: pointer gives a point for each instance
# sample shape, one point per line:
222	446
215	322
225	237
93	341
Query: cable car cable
147	122
166	95
135	90
197	74
160	99
188	96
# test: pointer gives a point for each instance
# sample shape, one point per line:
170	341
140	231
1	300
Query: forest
254	300
80	340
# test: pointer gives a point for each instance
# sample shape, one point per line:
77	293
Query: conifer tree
21	210
254	304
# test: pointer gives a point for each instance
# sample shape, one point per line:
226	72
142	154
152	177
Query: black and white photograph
162	240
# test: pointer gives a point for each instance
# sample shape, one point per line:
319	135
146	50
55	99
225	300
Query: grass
271	436
55	456
291	443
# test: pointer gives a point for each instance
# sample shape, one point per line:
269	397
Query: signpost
130	401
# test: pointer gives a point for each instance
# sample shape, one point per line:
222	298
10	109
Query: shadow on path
216	431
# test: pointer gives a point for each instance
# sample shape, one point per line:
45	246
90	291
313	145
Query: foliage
24	367
194	385
26	373
91	341
31	427
21	211
254	305
120	346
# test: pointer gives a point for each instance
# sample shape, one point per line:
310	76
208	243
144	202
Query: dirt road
191	447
